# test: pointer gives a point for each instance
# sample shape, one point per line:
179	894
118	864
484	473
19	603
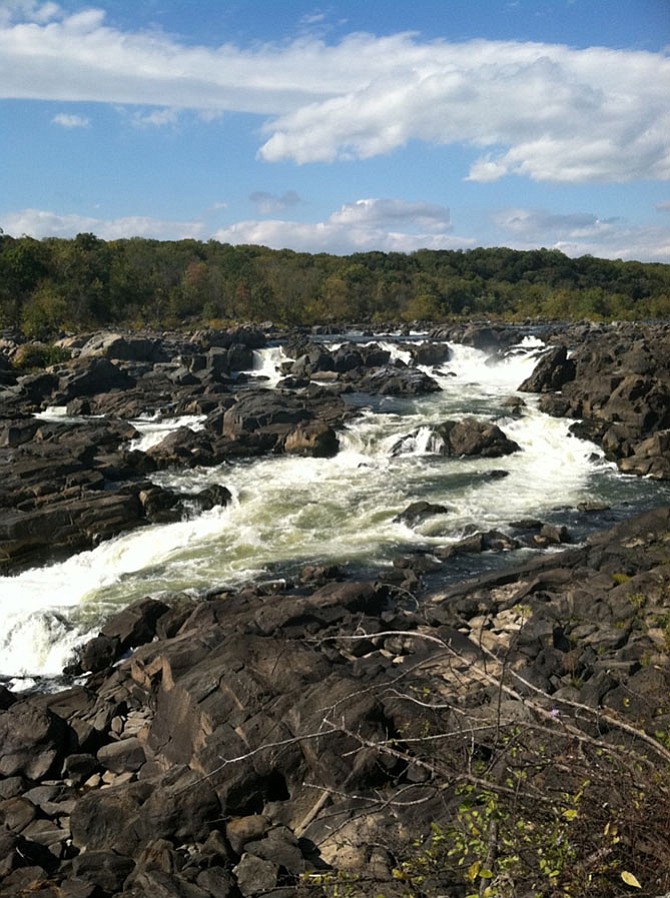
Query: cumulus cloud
155	118
28	10
40	223
367	224
542	111
533	223
663	207
375	224
577	234
68	120
270	203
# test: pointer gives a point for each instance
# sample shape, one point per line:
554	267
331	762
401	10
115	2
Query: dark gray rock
551	373
32	740
420	511
106	869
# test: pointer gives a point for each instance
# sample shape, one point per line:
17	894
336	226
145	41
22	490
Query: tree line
59	285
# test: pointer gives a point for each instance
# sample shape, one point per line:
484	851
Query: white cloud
370	224
577	234
156	118
28	10
663	207
543	111
67	120
269	203
40	223
375	224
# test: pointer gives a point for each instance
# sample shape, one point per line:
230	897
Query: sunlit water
287	512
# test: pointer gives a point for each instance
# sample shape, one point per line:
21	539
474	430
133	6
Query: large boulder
551	373
87	377
124	347
33	740
265	412
315	438
469	437
397	381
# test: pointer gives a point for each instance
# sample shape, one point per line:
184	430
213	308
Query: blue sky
343	126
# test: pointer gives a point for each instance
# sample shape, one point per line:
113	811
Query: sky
340	127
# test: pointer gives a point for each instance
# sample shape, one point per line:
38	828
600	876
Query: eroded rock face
617	381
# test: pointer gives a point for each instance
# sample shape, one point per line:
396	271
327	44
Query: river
287	512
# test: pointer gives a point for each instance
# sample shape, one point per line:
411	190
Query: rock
135	625
16	813
219	882
89	377
31	741
619	387
212	496
650	457
551	373
105	869
471	437
99	653
419	511
314	439
256	876
156	884
390	381
431	353
78	888
79	767
122	756
121	347
27	881
241	830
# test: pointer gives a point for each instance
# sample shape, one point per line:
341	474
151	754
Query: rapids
287	512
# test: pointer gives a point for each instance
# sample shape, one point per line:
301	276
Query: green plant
35	356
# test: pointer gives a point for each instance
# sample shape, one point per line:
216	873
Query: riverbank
332	735
327	734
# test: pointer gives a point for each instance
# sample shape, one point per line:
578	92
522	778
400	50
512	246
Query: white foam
268	362
154	429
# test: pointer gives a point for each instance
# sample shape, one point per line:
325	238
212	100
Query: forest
53	286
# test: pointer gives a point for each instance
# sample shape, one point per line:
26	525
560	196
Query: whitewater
287	512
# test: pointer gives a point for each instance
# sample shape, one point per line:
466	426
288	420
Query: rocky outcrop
70	485
279	741
616	380
551	373
365	368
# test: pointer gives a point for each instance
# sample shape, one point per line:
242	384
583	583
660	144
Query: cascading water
290	511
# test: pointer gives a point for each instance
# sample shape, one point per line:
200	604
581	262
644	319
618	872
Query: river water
287	512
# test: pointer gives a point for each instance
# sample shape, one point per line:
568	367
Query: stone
106	869
241	830
31	741
255	876
420	511
551	373
122	756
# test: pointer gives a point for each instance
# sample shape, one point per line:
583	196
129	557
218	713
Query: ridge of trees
54	285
